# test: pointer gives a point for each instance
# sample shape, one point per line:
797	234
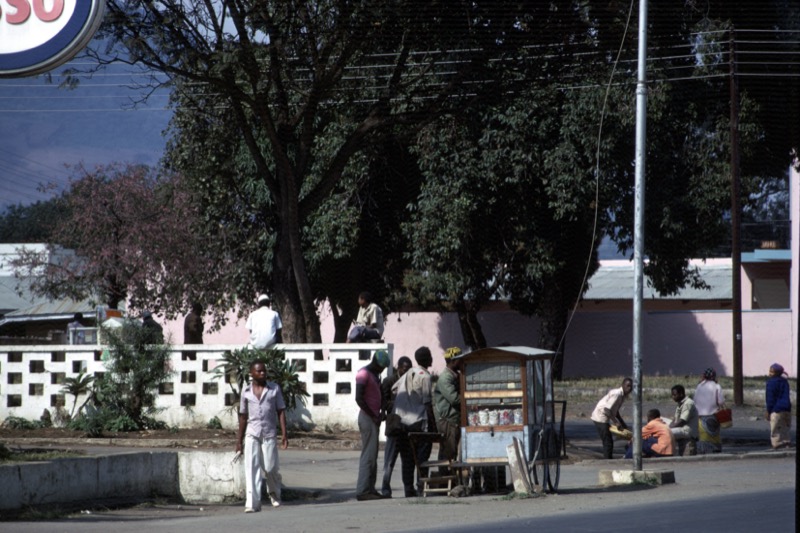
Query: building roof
614	281
49	310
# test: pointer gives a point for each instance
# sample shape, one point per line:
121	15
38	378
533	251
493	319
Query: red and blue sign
39	35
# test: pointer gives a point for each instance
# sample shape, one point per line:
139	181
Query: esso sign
38	35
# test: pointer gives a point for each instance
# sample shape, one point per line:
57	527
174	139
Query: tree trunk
553	325
286	299
342	322
471	330
290	283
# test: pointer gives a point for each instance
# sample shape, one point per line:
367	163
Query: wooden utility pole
736	237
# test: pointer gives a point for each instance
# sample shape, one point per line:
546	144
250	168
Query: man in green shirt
447	406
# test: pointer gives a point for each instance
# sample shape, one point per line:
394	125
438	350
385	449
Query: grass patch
654	388
38	514
36	456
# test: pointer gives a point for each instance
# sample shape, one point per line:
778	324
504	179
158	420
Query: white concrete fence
32	378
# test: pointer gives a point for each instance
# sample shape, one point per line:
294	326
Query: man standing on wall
368	398
264	325
193	325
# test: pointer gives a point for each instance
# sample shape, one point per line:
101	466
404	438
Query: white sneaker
249	510
276	502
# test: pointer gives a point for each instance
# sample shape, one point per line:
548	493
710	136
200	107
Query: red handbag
724	417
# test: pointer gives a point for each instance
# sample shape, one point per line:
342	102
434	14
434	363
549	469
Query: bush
129	388
235	370
124	399
214	423
16	422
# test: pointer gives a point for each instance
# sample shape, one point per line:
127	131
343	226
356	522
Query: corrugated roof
66	308
10	300
615	282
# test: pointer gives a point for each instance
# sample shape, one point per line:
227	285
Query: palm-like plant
235	370
82	384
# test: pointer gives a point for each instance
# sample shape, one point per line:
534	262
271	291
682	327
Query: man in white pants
260	408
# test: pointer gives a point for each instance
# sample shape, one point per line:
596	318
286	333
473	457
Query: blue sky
43	128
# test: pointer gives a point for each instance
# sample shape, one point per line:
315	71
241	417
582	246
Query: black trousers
607	438
407	456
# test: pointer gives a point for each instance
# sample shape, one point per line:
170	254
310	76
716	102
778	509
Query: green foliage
214	423
77	386
32	223
135	368
235	370
16	422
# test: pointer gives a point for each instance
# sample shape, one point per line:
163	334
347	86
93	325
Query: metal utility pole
638	235
736	236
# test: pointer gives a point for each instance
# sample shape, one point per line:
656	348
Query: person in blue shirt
779	407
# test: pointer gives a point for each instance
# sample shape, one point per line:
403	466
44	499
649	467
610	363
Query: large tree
278	80
118	220
31	223
516	200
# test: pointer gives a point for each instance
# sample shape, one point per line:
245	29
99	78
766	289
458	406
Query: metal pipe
638	234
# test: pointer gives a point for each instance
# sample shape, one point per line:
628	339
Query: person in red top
368	398
657	439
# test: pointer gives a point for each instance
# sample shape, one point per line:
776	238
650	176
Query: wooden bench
431	483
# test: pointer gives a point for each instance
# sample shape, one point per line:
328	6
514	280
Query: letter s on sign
23	11
48	16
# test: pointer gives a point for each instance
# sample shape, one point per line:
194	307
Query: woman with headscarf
779	407
708	399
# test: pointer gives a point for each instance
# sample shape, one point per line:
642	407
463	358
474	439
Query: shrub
135	368
235	370
16	422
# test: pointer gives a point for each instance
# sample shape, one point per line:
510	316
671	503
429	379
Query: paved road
735	493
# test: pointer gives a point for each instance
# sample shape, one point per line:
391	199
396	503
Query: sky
45	128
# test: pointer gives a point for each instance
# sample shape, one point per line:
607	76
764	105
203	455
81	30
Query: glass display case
507	392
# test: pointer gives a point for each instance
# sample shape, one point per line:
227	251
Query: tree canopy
275	100
320	149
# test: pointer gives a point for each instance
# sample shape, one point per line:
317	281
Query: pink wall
679	343
597	344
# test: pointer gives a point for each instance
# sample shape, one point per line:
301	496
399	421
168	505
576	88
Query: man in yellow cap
447	406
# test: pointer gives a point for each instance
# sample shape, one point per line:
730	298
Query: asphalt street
733	492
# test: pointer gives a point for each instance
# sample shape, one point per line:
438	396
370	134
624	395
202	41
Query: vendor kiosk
507	392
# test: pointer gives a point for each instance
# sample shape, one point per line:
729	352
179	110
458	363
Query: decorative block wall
31	379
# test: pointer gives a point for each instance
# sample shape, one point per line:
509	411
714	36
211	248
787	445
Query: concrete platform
636	477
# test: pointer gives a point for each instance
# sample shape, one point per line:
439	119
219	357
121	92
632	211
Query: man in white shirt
414	404
607	413
264	325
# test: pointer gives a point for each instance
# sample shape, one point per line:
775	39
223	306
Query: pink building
683	334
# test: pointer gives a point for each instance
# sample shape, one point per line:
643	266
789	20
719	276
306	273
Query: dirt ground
335	438
182	438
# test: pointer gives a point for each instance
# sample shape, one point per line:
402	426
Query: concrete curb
696	458
207	444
